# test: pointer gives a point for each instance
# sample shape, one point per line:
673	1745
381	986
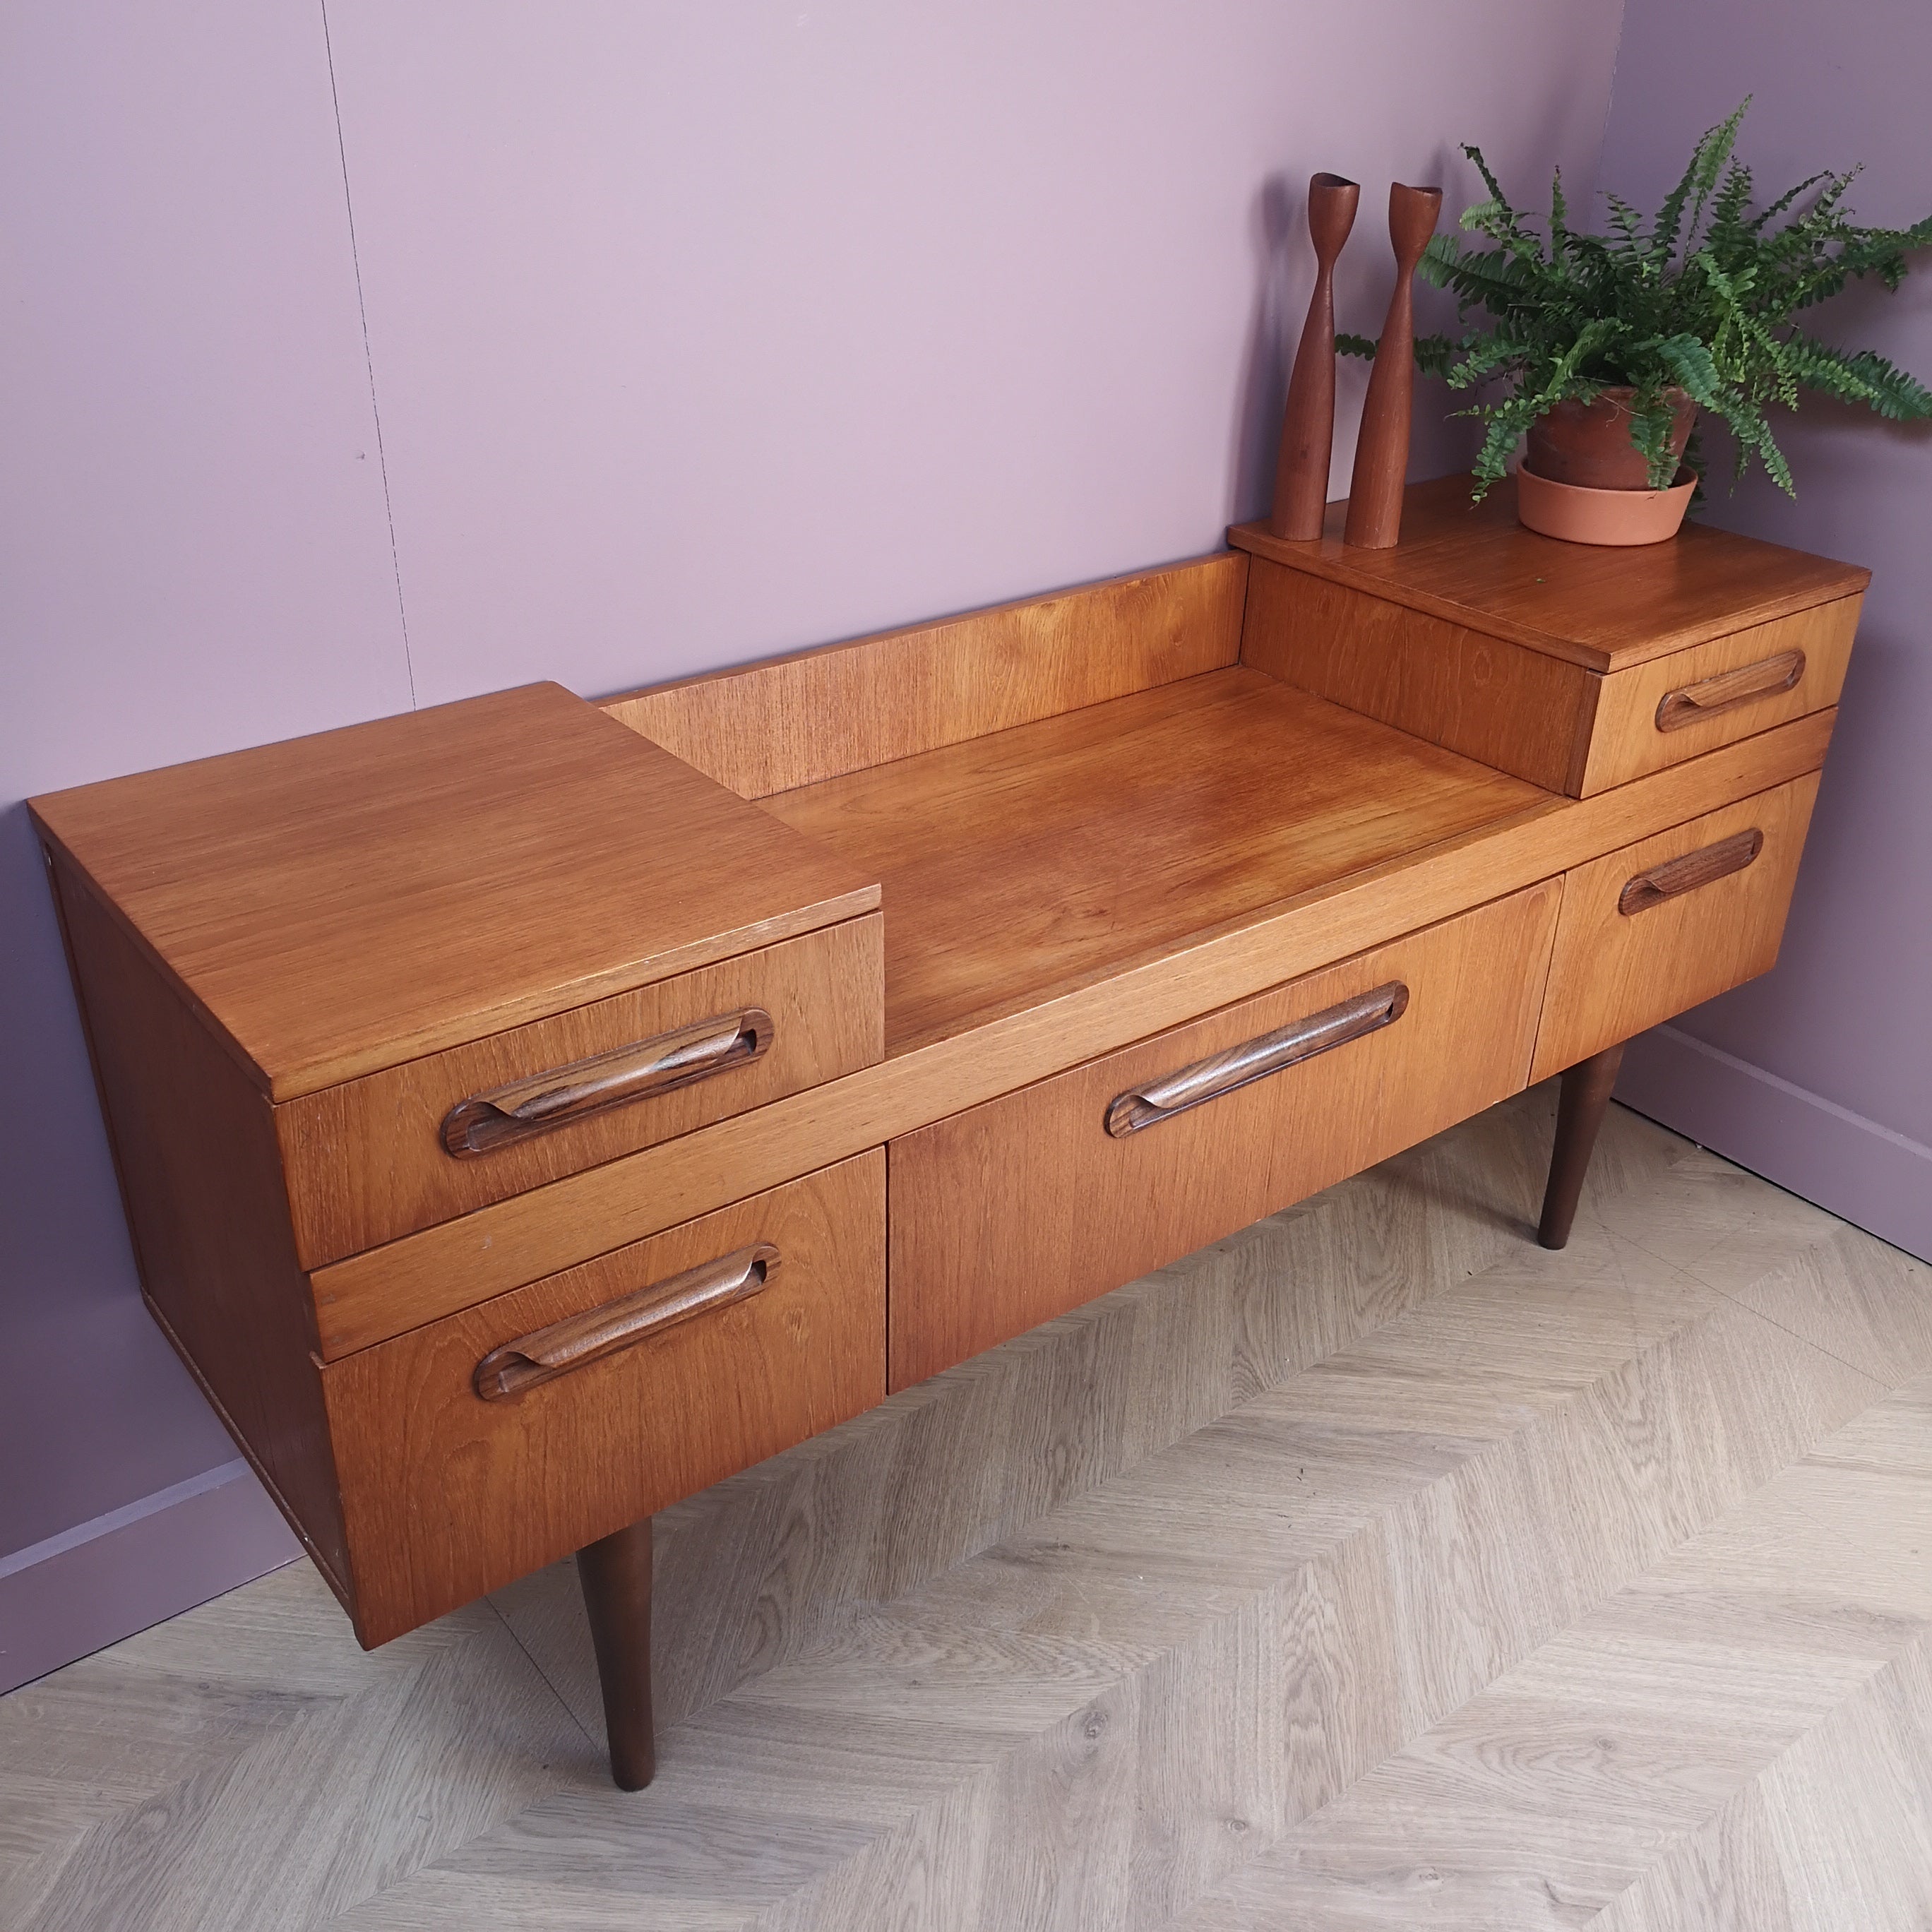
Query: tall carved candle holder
1308	422
1381	451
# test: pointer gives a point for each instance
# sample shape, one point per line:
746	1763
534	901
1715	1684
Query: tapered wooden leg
615	1573
1579	1113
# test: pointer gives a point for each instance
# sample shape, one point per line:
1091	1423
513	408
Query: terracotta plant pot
1589	444
1602	516
1583	480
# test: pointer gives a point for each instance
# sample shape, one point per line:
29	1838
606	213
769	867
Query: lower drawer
1015	1211
1670	922
486	1445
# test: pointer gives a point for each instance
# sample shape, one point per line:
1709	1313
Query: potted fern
1602	349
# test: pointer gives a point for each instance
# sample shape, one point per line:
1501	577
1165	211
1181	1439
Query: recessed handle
1287	1046
1676	877
547	1353
614	1079
1691	703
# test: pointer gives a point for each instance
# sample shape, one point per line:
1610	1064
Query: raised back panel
793	721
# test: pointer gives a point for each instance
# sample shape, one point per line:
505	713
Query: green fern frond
1698	298
1707	165
1490	181
1650	431
1766	216
1863	376
1440	260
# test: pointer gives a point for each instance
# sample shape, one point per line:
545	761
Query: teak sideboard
529	1111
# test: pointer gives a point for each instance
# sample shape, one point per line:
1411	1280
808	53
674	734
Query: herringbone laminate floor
1373	1569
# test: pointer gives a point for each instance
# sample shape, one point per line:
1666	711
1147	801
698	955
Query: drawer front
1671	921
373	1160
483	1446
1017	1211
1673	708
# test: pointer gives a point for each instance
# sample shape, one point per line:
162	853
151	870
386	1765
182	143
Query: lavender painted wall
701	333
197	556
1820	1074
696	333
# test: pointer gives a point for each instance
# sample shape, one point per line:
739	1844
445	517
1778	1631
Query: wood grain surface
1501	703
984	1243
1024	863
1308	414
386	1290
1627	742
365	1161
1616	973
1376	490
445	1496
342	903
793	721
1604	609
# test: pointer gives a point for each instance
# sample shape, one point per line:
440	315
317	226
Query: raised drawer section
1017	1211
454	1483
1556	722
1670	922
1675	707
373	1160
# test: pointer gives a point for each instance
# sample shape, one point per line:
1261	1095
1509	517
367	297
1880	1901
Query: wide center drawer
484	1446
377	1158
1017	1211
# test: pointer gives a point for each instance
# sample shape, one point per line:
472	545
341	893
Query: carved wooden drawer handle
1708	696
553	1351
1287	1046
1676	877
614	1079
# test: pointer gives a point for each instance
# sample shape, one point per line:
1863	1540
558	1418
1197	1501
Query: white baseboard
1877	1179
90	1585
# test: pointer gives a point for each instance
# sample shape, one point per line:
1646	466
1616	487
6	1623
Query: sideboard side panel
194	1144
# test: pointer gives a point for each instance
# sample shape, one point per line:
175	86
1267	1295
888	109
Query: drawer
702	1351
1671	921
1557	723
1674	707
1018	1209
372	1160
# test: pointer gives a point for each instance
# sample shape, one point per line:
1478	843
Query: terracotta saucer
1578	515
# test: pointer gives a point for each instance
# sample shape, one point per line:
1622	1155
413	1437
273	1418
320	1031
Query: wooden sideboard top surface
341	903
1606	609
1020	865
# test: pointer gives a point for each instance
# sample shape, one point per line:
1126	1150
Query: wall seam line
368	356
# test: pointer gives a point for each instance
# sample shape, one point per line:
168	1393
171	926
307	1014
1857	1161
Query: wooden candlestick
1381	450
1308	421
